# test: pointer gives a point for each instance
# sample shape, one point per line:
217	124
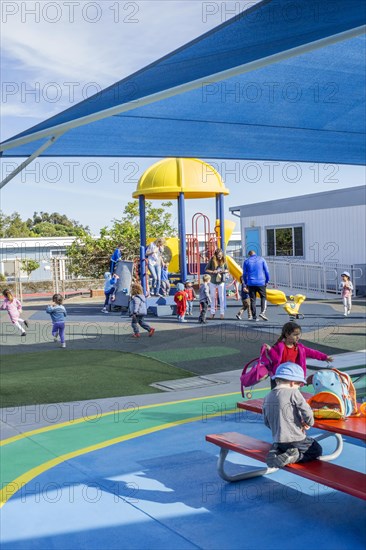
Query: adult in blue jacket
256	277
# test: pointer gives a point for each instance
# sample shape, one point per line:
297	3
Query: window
285	241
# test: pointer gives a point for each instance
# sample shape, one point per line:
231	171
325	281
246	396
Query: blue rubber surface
162	490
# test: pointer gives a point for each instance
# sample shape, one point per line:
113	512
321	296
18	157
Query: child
191	295
180	298
138	310
244	294
58	314
288	348
204	298
346	287
288	415
110	286
14	309
165	283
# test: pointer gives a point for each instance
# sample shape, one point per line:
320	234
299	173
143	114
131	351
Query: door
252	240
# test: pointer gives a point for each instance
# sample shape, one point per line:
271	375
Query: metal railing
314	277
310	277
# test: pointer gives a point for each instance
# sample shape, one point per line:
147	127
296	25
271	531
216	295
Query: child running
288	349
14	309
205	298
346	288
180	298
58	314
138	310
288	416
244	294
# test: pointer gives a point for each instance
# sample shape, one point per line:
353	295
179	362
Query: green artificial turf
75	375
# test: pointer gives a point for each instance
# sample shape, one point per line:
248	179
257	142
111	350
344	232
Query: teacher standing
217	268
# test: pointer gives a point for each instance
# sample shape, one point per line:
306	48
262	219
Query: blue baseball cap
290	371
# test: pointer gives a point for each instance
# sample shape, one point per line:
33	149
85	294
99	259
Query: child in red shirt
288	349
191	295
180	298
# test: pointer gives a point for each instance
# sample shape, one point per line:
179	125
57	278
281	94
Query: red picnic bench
321	471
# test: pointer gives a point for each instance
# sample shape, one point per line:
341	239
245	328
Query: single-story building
326	229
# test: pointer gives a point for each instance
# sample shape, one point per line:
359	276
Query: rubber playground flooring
143	477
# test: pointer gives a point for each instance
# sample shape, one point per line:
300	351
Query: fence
314	277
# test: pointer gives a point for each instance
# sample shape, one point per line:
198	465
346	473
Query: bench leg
338	449
243	475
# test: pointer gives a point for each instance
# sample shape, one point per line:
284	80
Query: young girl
288	349
138	310
217	268
14	309
346	287
58	314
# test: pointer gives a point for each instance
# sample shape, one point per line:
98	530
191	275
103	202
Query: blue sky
55	54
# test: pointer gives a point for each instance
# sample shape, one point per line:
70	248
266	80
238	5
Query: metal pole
182	237
29	160
222	221
142	242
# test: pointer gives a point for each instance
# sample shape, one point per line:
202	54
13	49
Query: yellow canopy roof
168	178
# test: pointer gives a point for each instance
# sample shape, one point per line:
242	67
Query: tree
13	226
44	224
41	225
90	257
29	266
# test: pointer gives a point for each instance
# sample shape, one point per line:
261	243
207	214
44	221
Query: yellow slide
274	296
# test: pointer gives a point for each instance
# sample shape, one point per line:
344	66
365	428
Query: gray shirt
204	295
285	411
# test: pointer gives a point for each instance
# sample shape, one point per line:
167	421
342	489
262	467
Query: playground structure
181	179
188	178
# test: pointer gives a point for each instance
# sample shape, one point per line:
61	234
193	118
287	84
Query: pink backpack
256	370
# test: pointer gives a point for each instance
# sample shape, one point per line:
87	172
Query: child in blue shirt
110	287
244	294
165	283
58	314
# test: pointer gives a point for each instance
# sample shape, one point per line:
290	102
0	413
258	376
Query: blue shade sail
224	96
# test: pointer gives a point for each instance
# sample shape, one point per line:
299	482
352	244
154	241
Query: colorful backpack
255	371
335	394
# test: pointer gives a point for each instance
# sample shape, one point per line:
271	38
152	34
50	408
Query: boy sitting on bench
288	415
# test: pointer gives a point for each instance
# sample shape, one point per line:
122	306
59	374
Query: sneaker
63	345
26	324
183	321
348	313
276	460
250	318
135	335
151	332
103	310
238	316
23	333
262	316
345	314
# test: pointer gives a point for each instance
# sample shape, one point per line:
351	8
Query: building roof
349	196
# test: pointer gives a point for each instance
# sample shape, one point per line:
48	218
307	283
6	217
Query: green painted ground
74	375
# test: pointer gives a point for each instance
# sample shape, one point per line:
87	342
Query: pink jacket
275	355
13	308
